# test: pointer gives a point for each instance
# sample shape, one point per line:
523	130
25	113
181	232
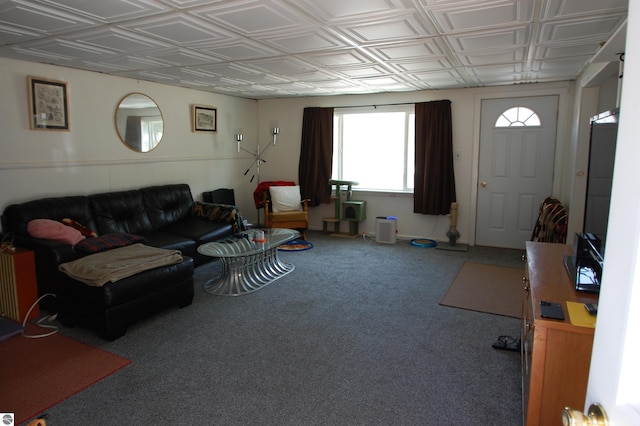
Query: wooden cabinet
555	354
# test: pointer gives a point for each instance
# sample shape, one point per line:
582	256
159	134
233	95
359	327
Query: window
518	117
375	148
151	129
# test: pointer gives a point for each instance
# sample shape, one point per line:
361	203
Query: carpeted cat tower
453	233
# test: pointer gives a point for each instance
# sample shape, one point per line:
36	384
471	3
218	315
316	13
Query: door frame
561	138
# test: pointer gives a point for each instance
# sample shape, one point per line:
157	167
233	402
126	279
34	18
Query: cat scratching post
453	233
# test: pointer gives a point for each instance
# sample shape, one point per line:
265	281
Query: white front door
515	170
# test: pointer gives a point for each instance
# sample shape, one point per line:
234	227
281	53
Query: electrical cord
49	318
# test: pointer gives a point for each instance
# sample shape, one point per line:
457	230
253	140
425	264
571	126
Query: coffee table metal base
246	274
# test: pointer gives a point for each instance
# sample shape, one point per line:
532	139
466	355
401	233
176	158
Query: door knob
596	417
483	183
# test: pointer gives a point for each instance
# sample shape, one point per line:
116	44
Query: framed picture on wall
48	104
204	118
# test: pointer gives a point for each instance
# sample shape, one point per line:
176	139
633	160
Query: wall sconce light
239	138
257	154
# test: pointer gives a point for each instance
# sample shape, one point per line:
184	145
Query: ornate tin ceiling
282	48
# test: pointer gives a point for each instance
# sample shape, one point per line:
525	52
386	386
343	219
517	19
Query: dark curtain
316	155
434	182
133	133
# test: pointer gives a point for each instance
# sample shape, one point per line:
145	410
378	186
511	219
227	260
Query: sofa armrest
57	251
48	254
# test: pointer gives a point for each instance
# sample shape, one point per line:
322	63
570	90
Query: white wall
91	158
282	160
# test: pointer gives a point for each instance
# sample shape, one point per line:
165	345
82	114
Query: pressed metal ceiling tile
179	29
489	70
477	15
267	48
554	9
555	52
117	39
40	19
128	62
579	28
298	42
341	58
557	65
358	72
487	40
337	9
432	65
68	49
422	49
10	35
284	66
503	57
181	57
238	50
253	18
107	11
388	30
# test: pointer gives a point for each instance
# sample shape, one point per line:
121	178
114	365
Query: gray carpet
354	336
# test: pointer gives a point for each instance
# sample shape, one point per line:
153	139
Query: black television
602	149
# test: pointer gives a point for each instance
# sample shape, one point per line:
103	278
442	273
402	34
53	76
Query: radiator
18	290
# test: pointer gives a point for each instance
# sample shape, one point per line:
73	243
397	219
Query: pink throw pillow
53	230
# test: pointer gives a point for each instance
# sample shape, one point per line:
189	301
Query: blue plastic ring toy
423	242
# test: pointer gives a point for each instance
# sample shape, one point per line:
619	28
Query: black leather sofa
164	216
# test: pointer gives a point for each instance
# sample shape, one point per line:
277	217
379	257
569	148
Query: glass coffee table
249	261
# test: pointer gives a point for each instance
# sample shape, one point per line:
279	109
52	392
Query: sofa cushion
119	212
200	230
52	230
107	242
167	204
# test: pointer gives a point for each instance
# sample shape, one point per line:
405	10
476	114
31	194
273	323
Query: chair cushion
285	198
288	217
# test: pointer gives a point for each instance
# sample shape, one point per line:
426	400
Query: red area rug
36	374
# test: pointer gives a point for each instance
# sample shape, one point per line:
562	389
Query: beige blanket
113	265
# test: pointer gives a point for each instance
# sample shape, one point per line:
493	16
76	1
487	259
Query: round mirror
139	122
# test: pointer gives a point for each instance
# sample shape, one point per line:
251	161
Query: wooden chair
284	208
551	225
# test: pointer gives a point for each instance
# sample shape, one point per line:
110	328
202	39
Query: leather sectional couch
163	216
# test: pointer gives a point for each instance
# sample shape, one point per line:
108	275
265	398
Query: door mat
36	374
296	245
487	288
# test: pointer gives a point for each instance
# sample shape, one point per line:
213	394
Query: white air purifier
386	227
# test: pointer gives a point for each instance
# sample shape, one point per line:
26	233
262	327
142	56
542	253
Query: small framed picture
205	118
48	104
